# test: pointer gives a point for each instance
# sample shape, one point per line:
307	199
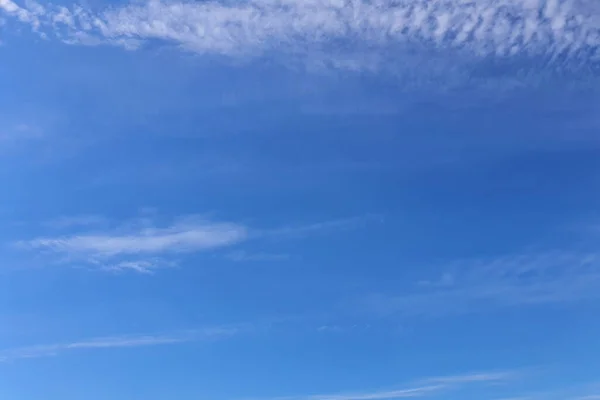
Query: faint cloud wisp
112	342
426	387
521	280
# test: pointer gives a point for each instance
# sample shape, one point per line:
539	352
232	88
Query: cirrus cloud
348	34
139	246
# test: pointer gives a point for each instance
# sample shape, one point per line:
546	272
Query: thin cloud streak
147	241
242	256
39	351
320	227
475	377
423	388
143	246
393	394
523	280
138	245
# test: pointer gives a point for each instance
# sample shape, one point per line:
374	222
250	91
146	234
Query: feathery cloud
143	245
177	238
348	34
523	280
113	342
136	246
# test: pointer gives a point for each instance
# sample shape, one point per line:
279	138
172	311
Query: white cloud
11	8
521	280
113	342
337	32
138	245
142	245
32	14
177	238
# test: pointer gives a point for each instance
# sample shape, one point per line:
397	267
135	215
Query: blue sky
300	200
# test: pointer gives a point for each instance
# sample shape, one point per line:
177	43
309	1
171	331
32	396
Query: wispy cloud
321	227
392	394
522	280
241	256
182	236
149	266
174	238
141	245
114	342
423	388
337	32
144	245
475	377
